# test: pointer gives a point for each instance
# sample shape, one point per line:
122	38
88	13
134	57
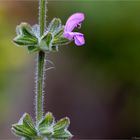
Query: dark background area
97	85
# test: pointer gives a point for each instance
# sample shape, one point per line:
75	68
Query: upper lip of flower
74	21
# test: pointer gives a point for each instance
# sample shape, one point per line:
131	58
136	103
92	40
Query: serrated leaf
63	134
54	25
62	124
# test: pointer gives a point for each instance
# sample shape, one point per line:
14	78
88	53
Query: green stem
40	64
40	84
42	15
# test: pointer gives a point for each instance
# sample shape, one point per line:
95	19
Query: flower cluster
55	35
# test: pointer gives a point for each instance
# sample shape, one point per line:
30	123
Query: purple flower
74	21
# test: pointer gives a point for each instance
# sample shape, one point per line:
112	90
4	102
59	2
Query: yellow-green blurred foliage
11	59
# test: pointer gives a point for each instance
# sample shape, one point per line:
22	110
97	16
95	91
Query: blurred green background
97	85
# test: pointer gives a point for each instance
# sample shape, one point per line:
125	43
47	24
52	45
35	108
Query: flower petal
73	21
79	39
69	35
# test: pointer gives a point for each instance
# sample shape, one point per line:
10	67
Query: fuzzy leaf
33	49
22	131
25	29
25	40
46	125
46	131
60	129
36	30
62	124
27	121
54	25
60	41
45	42
59	32
48	120
25	35
25	127
62	134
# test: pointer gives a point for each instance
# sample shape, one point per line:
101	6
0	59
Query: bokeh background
97	85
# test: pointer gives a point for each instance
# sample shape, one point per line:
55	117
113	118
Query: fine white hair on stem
36	85
40	67
47	66
50	68
45	12
49	61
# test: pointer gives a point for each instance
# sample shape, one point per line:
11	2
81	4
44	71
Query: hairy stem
39	86
42	15
40	64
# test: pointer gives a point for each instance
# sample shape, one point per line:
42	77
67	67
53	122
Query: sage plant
42	39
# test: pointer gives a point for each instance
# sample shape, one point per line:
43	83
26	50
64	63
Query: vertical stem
39	86
40	65
42	15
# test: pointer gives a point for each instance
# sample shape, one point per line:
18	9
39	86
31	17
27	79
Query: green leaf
60	129
46	131
25	35
25	127
63	134
25	40
62	124
59	38
33	49
54	48
60	41
54	25
22	131
48	120
46	125
59	32
47	38
27	121
45	42
25	29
